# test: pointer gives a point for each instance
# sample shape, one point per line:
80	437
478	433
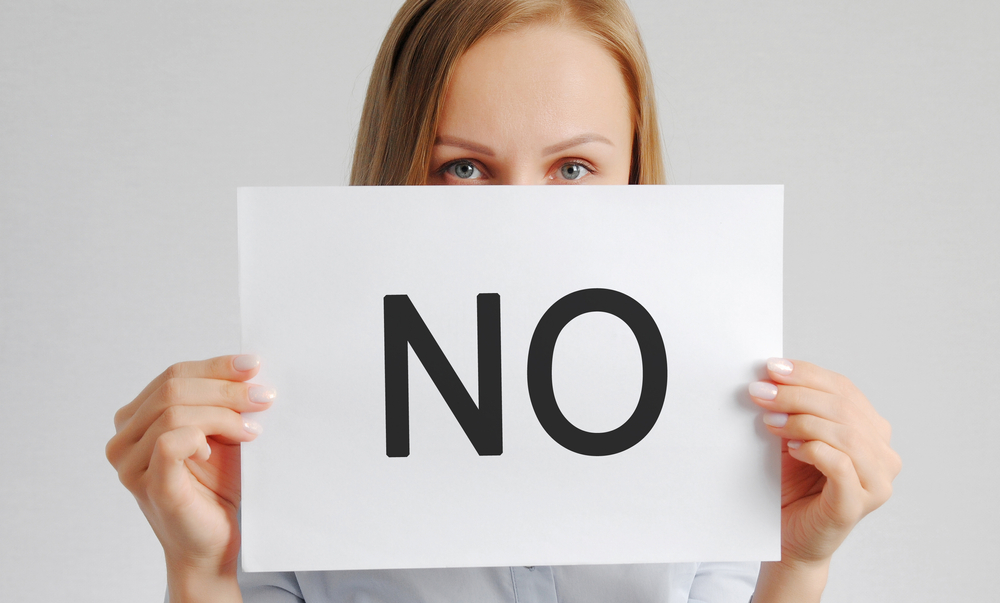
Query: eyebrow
572	142
451	141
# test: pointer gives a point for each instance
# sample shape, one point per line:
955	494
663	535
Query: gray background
125	128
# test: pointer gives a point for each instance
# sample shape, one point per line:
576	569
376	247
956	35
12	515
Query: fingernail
764	391
775	419
794	444
252	426
261	394
207	451
246	362
780	366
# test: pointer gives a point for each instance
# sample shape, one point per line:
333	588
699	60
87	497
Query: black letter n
482	424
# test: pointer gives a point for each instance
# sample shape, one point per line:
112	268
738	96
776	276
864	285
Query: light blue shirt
659	583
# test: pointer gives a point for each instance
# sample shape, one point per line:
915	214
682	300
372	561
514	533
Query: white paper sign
340	285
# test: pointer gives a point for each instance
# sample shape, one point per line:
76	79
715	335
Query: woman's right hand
177	449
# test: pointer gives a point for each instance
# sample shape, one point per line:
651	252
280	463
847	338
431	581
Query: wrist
789	580
189	583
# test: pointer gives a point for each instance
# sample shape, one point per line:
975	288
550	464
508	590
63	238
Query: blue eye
573	171
463	170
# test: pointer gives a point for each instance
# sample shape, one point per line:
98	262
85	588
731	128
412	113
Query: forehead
542	80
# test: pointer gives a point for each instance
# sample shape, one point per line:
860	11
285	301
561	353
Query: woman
499	92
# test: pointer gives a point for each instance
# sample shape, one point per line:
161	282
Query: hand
837	465
177	449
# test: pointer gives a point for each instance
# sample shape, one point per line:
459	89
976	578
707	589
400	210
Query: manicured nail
780	366
775	419
764	391
794	444
252	426
206	451
246	362
261	394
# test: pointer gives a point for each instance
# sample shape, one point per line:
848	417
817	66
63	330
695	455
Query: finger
843	493
169	480
794	399
230	368
240	397
856	443
222	424
800	372
803	400
184	391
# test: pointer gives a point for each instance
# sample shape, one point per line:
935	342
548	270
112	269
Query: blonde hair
426	39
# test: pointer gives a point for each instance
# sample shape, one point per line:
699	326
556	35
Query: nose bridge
520	171
520	179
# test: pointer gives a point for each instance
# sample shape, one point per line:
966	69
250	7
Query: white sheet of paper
320	492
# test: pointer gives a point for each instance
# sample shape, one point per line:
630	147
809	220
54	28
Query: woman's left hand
836	462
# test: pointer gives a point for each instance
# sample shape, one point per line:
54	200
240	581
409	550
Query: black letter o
654	372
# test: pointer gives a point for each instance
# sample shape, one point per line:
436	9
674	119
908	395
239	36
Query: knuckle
119	417
129	476
233	392
173	371
221	365
803	422
165	445
172	417
111	451
172	390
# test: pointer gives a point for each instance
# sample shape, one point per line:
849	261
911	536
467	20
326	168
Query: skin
177	449
541	105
